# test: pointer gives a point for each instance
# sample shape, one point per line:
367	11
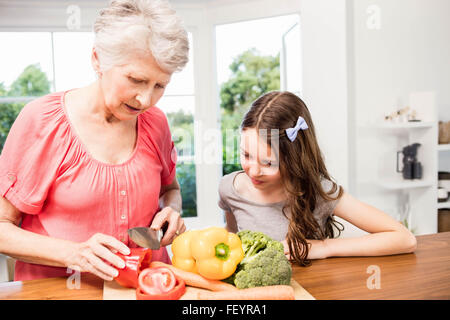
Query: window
290	60
26	72
72	59
24	49
264	57
178	103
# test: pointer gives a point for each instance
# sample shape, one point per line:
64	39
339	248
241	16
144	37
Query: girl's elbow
411	243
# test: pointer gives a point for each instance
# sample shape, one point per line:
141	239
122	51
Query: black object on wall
412	169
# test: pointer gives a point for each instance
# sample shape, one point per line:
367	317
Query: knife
147	237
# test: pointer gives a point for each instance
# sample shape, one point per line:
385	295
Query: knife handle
164	227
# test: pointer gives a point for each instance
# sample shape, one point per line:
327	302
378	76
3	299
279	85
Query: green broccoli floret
277	245
264	262
253	242
269	267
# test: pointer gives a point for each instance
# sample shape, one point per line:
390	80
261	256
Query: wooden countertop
424	274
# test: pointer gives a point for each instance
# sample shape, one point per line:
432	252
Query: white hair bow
292	132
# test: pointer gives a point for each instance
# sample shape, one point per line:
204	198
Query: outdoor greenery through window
61	61
178	103
250	65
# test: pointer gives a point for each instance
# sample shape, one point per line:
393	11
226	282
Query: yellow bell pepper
213	252
181	249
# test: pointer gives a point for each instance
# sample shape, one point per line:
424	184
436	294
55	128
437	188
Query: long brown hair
301	168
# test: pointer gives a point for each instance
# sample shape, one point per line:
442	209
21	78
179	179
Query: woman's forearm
32	247
171	198
375	244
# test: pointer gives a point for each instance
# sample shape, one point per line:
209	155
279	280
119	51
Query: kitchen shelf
443	205
402	125
393	184
443	147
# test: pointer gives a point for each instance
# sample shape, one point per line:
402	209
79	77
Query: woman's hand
96	256
175	224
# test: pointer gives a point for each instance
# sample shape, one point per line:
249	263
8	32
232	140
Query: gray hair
146	26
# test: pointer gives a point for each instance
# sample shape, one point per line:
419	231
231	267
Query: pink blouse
63	192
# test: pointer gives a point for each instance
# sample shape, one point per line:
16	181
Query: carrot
276	292
196	280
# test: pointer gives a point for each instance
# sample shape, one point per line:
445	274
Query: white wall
323	25
50	15
326	77
408	53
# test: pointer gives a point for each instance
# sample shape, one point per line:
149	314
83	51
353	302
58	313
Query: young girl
286	192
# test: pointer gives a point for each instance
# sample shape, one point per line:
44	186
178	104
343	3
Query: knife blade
146	237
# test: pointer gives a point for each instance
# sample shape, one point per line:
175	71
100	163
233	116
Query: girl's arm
387	236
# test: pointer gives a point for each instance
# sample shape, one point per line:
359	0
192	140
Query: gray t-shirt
266	218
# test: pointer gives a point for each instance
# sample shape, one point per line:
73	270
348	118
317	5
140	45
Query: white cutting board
114	291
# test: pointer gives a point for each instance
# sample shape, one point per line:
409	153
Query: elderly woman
81	167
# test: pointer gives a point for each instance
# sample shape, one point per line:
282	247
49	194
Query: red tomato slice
156	280
174	294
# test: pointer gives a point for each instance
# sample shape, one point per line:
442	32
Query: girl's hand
96	256
175	224
286	247
317	249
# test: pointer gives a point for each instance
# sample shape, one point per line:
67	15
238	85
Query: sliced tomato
174	294
138	260
156	280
